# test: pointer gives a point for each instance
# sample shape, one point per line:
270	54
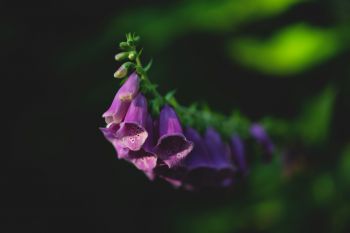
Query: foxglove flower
238	154
132	133
221	159
145	159
172	146
199	163
199	156
209	164
259	134
122	100
110	134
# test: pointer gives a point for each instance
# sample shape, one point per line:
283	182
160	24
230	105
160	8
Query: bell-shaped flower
122	100
238	154
199	156
210	163
219	151
110	134
172	146
145	159
132	133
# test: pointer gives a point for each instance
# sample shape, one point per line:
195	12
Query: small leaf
128	37
139	53
148	66
170	95
137	39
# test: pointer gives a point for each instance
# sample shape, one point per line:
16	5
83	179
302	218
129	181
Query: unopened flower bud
121	72
132	55
121	56
124	45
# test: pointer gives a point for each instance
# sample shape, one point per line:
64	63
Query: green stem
147	82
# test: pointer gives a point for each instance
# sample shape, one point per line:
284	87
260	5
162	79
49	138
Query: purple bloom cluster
137	138
161	148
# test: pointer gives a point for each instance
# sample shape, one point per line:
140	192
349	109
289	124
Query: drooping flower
238	154
201	171
132	133
199	156
221	159
145	159
110	134
218	150
122	100
209	164
259	134
172	146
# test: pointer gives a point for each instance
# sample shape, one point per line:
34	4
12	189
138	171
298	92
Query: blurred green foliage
222	15
344	166
315	121
291	50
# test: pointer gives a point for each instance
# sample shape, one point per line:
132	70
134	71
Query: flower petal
172	146
122	100
109	132
132	133
238	154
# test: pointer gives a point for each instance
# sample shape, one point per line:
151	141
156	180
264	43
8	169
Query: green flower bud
129	65
121	56
124	45
123	70
132	55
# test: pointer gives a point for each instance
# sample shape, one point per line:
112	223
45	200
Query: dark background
60	175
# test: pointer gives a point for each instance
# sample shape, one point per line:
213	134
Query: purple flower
199	156
238	154
259	134
199	163
219	151
122	100
132	133
144	159
208	165
110	134
172	146
211	163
